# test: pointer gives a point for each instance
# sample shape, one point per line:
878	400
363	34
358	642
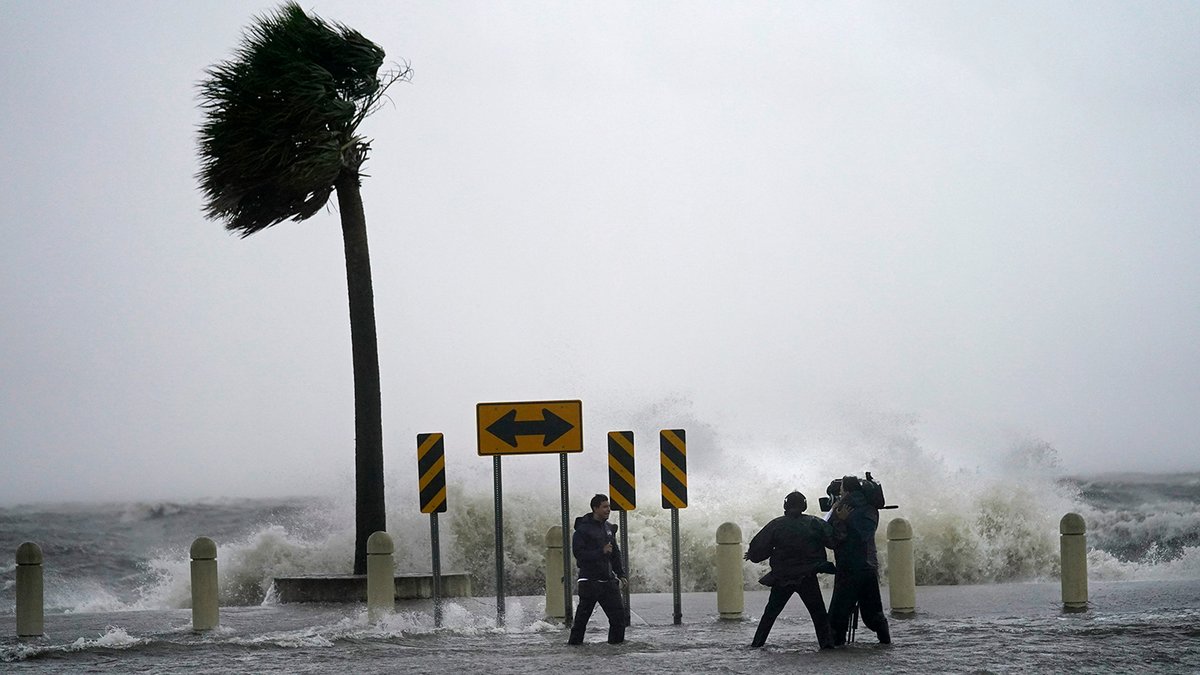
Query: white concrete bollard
555	604
1073	546
30	598
381	576
205	603
731	593
902	573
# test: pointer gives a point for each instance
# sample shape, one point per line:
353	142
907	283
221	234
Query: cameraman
795	544
855	518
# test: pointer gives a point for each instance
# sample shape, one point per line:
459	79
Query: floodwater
1144	626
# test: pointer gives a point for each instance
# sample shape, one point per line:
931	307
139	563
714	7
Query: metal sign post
566	536
437	570
677	617
431	487
498	488
622	492
672	444
625	564
538	427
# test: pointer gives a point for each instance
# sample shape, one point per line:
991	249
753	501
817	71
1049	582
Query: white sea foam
457	618
114	637
96	599
81	595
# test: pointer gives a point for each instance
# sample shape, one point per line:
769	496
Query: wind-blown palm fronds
281	118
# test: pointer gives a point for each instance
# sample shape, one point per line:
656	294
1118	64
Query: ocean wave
141	511
1164	529
1155	565
114	637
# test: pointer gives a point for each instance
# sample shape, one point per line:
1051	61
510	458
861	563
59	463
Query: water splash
247	567
114	637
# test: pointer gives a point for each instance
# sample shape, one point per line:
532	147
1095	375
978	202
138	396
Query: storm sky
977	221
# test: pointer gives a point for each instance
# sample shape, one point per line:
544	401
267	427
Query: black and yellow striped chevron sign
672	445
622	487
431	472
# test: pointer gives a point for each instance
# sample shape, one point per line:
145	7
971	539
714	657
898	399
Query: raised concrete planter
353	588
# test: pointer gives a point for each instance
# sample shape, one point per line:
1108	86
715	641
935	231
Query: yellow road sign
622	485
431	472
672	445
530	427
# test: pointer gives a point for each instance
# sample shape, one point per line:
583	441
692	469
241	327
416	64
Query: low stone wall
353	587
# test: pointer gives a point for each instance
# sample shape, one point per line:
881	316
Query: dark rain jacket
588	546
855	534
796	547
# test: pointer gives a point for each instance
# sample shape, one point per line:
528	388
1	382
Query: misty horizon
814	228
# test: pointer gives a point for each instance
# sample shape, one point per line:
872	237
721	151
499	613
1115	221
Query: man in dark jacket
855	518
795	544
600	572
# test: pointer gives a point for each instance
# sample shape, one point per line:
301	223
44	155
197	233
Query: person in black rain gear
601	574
855	518
795	544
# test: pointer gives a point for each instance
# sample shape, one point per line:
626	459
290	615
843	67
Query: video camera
832	494
873	490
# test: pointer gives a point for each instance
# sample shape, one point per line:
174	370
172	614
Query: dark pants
857	587
810	593
608	594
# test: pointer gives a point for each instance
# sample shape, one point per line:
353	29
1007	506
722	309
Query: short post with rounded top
1073	546
902	575
731	593
555	606
205	602
381	576
30	598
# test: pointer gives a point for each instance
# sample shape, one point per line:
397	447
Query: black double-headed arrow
551	427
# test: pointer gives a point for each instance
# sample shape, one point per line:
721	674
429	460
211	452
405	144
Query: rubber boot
884	633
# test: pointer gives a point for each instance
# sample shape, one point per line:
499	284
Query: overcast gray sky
776	219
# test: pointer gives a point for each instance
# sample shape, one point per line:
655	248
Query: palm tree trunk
370	515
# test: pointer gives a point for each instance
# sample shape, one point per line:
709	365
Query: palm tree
279	136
